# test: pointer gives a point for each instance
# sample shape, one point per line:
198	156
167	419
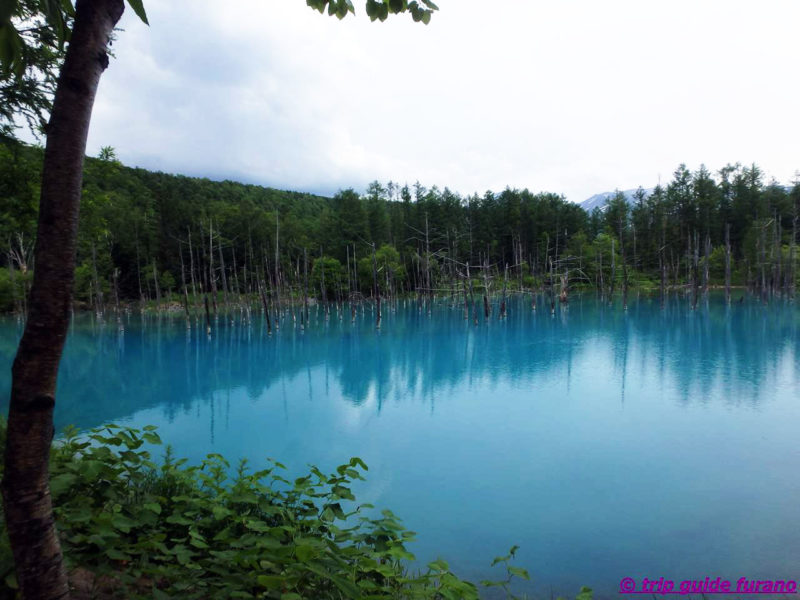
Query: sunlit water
605	443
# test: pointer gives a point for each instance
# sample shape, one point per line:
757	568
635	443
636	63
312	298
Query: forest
168	240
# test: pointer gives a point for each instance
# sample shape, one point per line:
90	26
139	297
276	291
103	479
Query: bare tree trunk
613	270
116	296
706	257
266	308
602	283
427	261
472	297
323	290
224	277
191	267
139	272
778	251
503	302
277	287
792	258
208	315
26	494
728	263
305	285
98	292
763	256
377	291
183	285
349	279
211	280
486	309
663	260
158	288
466	303
695	272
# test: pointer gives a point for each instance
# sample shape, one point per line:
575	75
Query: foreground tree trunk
26	494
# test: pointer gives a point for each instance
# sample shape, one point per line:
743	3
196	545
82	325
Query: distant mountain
601	200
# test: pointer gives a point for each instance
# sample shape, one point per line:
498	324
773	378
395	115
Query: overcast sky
570	96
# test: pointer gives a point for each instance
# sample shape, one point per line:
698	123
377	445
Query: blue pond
605	443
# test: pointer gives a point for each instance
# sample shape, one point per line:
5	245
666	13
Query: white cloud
575	97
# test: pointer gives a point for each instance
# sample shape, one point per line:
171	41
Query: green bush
177	531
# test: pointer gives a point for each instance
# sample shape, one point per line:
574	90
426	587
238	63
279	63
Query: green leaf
61	483
271	581
438	565
355	461
519	572
153	507
138	8
115	554
152	437
304	553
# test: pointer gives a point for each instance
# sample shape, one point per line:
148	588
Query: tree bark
26	494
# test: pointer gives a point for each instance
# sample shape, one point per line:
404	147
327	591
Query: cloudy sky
570	96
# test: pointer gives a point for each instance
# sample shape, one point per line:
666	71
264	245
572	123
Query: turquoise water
606	443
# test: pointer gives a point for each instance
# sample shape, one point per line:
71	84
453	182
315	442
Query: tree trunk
792	260
26	494
727	263
191	267
375	287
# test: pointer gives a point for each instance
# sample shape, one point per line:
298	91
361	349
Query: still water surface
606	443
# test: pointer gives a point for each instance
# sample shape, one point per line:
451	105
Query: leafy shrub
177	531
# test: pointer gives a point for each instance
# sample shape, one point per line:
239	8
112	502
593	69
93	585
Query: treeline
148	236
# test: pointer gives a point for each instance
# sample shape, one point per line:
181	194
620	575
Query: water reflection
607	443
108	374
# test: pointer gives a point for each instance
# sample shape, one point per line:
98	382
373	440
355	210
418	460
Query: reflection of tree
107	375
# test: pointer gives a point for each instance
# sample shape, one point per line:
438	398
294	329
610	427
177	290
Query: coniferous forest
156	238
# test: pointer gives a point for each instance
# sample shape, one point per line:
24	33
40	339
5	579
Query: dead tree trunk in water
613	271
277	287
26	495
763	257
466	303
695	271
266	307
706	259
472	297
728	263
183	285
305	286
191	267
208	315
600	271
503	301
486	310
376	289
155	283
792	257
211	280
224	277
